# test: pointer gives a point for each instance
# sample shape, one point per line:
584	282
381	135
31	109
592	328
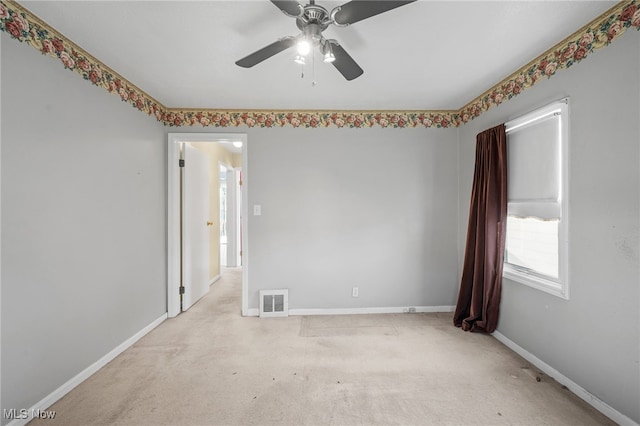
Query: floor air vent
274	303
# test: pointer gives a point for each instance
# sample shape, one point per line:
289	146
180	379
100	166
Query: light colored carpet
210	366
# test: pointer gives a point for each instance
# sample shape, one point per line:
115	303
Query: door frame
233	215
233	225
237	207
173	213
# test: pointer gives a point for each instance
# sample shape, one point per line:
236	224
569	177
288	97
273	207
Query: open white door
195	229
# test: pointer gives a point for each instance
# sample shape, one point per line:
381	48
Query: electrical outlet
354	292
412	310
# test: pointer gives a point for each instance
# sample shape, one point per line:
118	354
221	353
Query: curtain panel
480	287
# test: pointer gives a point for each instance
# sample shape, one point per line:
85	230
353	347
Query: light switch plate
257	209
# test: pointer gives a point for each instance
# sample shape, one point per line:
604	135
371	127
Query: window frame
558	287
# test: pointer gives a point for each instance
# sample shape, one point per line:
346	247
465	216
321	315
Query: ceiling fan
312	20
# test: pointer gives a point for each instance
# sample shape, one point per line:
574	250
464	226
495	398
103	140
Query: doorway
223	215
230	216
173	212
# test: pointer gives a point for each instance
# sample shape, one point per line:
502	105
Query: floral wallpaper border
25	27
349	119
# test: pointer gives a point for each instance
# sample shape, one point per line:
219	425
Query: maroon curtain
479	297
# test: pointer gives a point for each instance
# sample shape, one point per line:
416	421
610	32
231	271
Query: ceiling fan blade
289	7
357	10
345	63
266	52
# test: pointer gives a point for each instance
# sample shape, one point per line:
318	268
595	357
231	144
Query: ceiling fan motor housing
312	32
312	14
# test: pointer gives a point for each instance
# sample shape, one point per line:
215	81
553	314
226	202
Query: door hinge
181	163
240	183
240	253
181	289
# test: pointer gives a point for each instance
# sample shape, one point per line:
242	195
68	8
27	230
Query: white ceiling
427	55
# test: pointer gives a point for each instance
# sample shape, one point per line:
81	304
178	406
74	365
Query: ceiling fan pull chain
313	68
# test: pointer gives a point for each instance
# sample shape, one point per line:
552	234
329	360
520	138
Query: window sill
540	283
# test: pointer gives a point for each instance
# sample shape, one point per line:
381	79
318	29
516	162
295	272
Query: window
537	221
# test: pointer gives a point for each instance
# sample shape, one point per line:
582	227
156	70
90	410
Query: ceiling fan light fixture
299	59
304	47
328	54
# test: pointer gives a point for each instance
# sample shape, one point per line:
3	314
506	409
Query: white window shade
534	153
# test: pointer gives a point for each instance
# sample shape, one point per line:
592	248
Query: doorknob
209	223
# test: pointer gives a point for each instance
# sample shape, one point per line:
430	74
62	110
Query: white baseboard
358	311
252	312
214	279
582	393
49	400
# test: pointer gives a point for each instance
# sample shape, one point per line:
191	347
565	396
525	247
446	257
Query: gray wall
342	208
83	224
593	338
